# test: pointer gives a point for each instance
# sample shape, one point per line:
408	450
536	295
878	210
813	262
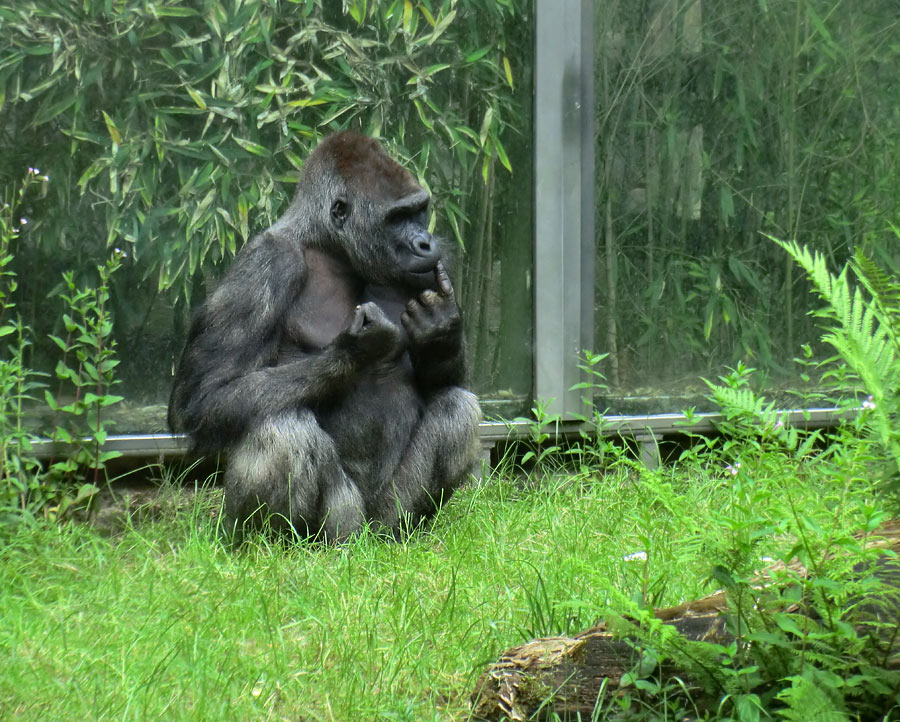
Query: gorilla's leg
286	472
440	455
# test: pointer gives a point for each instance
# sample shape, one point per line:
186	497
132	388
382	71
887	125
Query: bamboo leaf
508	70
501	153
427	123
442	26
306	102
429	18
196	97
251	147
486	126
112	129
478	54
357	11
49	111
407	16
173	12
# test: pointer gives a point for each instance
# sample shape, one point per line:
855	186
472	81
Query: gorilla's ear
340	210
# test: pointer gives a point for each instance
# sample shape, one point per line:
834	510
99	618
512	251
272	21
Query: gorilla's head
370	209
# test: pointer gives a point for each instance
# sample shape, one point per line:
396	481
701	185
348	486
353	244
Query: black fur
329	362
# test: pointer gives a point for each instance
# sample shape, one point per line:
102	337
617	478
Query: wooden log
569	674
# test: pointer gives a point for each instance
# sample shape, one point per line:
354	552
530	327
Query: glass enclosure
606	169
167	133
719	123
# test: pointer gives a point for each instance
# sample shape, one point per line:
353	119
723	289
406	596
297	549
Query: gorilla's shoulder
272	255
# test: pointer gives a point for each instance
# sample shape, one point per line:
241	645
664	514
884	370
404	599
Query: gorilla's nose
423	245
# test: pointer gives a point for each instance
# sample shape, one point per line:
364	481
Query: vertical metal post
564	199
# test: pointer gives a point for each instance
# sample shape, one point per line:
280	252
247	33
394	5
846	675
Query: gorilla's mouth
422	264
422	279
419	271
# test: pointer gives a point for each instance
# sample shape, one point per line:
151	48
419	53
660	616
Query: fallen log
567	675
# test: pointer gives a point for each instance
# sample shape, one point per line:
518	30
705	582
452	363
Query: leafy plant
863	330
541	447
85	373
19	468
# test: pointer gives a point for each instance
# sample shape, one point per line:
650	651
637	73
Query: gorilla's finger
443	280
428	298
359	317
374	314
415	310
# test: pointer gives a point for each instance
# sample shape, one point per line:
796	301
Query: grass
162	621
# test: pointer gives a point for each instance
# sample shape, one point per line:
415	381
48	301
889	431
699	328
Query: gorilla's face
415	251
376	213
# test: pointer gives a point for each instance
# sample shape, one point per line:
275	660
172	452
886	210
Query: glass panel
719	122
173	133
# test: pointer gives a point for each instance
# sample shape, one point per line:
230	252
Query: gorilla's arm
228	377
436	341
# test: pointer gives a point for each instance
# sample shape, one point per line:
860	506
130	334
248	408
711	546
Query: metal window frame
646	430
564	200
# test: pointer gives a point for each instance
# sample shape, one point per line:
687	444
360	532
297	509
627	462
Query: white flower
635	557
868	403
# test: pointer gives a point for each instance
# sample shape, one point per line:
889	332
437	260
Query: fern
864	330
750	410
885	292
808	702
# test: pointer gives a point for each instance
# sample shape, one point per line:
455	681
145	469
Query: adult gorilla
329	363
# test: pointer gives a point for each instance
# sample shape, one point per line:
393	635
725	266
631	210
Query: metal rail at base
646	431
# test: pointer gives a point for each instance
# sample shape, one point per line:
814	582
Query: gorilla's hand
433	318
371	336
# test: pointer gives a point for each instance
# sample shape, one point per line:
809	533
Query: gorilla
329	363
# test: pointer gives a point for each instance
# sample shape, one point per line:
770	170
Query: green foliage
84	374
177	121
807	644
543	452
807	701
542	449
863	330
19	469
786	533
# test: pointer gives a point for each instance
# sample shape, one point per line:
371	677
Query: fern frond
861	334
884	289
834	290
807	702
863	330
750	410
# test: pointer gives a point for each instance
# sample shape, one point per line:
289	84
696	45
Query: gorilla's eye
339	211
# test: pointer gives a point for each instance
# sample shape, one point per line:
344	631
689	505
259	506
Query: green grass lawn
162	621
